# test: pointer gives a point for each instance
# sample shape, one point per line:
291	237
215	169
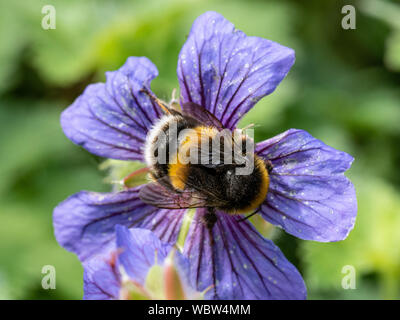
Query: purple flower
137	265
226	72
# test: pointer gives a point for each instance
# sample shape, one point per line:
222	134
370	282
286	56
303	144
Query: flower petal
111	119
125	265
101	281
240	263
84	223
309	196
141	249
227	72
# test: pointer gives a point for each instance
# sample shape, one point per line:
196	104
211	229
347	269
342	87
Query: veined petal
309	196
101	280
122	270
140	250
227	72
84	223
112	119
239	263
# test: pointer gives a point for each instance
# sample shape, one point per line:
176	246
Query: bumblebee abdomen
246	193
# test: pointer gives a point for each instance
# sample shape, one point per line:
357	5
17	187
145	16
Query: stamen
173	96
251	125
118	182
136	175
174	103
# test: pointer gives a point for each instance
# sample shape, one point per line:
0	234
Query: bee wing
201	114
214	198
160	196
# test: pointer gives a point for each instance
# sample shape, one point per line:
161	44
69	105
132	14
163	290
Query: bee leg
269	166
210	218
250	215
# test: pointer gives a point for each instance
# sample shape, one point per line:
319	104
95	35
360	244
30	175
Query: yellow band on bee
178	171
262	194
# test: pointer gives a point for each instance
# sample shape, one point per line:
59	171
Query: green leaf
392	56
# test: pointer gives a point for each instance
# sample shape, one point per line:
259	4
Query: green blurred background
343	89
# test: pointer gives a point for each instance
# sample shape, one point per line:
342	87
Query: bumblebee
215	185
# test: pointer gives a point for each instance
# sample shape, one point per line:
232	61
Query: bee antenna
156	100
